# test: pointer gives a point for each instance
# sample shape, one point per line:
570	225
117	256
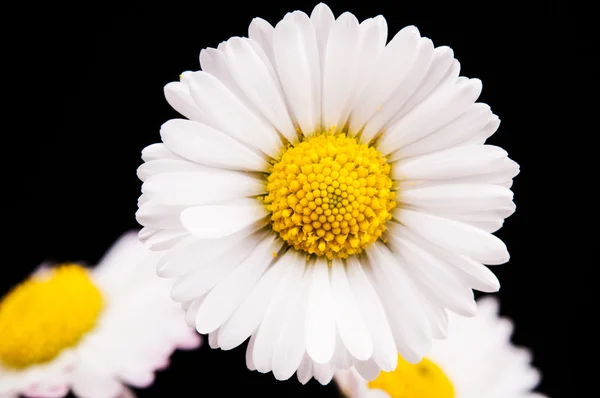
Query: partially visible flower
90	331
330	196
477	360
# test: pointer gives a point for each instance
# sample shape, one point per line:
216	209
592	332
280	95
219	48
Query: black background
85	84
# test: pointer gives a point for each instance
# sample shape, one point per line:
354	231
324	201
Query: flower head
477	360
329	195
90	331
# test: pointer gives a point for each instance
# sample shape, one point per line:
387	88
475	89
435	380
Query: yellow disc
46	314
422	380
330	195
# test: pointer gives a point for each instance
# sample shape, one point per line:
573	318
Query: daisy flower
90	331
329	195
477	360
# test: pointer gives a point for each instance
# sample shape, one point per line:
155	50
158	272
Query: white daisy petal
433	113
385	113
458	198
261	32
202	187
322	19
305	370
247	317
290	347
384	347
297	61
470	272
392	67
154	167
193	252
230	292
256	80
451	163
158	152
179	97
457	237
320	320
459	131
338	69
433	274
351	326
270	328
205	145
400	303
223	219
207	274
233	117
323	373
249	352
367	369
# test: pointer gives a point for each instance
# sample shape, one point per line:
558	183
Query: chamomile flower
90	331
477	360
329	195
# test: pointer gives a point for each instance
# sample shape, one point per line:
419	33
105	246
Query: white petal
163	240
372	38
384	347
202	187
451	163
289	348
256	79
320	319
458	198
435	277
322	19
195	252
456	237
459	131
305	370
261	32
386	112
339	69
392	67
248	316
229	293
206	275
153	167
409	326
470	272
367	369
433	113
208	146
190	313
297	60
351	326
223	219
159	216
158	152
281	302
233	117
323	373
179	97
442	72
481	136
249	351
213	341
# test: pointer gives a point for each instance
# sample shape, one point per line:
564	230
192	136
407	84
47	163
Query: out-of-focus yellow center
46	314
330	195
423	380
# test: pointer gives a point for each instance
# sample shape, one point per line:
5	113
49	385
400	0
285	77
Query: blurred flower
477	360
330	195
92	331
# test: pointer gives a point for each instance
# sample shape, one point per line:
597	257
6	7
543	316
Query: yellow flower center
46	314
330	195
423	380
